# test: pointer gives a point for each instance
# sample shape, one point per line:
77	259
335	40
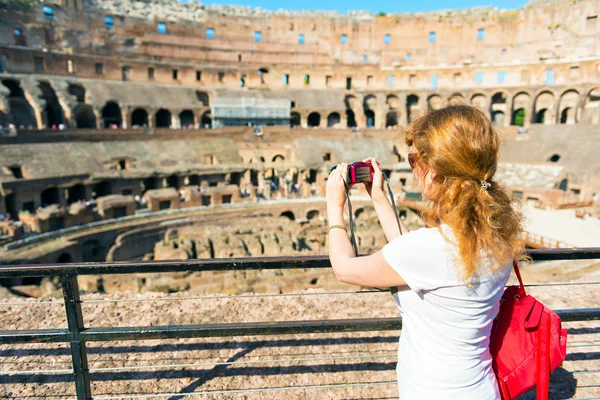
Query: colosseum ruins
163	129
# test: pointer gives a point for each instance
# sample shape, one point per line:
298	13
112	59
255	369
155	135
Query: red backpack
527	343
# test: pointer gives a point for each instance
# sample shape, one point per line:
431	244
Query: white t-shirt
446	324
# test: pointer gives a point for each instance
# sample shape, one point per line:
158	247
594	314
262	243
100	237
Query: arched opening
314	119
278	158
206	120
21	112
456	99
102	188
312	214
294	119
350	103
565	115
288	214
370	117
518	117
519	106
478	100
50	196
569	103
139	117
173	181
591	107
203	98
333	119
391	119
412	104
111	115
499	98
435	102
369	105
544	104
84	116
53	112
78	91
540	116
554	158
350	118
392	102
498	118
186	118
150	183
163	118
76	193
64	258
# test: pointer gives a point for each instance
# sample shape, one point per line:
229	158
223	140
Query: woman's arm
372	270
385	212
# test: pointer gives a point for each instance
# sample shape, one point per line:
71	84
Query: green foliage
381	14
519	117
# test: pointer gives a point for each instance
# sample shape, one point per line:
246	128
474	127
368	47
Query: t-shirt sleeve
418	258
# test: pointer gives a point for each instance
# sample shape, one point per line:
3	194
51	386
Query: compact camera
359	172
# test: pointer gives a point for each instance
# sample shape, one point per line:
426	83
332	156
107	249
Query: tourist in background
450	276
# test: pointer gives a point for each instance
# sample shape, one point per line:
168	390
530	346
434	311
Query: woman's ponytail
461	146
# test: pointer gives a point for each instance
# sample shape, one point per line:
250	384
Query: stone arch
84	116
351	105
391	119
75	193
53	114
162	119
206	120
519	108
111	114
288	214
312	214
435	102
456	99
295	119
543	108
278	158
369	107
333	119
479	100
412	107
498	108
567	106
314	119
203	98
591	107
21	112
78	91
102	188
392	101
172	181
186	118
139	117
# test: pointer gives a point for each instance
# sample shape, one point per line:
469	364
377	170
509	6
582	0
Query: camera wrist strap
350	215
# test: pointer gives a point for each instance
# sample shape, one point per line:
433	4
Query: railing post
81	371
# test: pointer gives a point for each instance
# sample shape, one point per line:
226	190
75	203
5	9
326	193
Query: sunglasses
412	160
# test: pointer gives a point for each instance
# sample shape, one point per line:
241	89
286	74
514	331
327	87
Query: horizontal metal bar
34	336
582	314
240	329
228	264
237	329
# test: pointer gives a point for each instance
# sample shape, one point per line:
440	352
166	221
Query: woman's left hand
336	188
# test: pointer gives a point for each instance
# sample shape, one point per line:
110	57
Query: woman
450	277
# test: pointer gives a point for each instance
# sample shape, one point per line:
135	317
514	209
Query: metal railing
77	335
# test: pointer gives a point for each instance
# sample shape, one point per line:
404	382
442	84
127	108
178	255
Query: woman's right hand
375	189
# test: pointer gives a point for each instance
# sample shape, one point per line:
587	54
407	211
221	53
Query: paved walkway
563	226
